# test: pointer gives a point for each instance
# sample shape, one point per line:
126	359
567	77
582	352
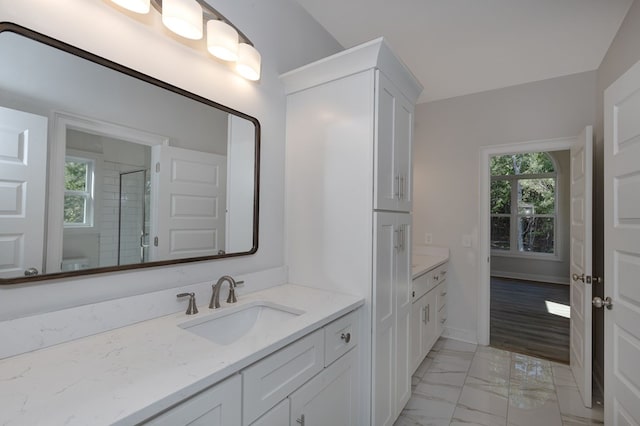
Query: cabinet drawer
421	285
340	336
439	274
442	295
271	379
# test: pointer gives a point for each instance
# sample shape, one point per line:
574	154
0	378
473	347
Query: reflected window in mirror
78	192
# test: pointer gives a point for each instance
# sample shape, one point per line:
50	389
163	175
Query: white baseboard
531	277
460	334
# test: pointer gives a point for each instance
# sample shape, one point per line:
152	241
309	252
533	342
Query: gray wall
622	54
552	270
448	136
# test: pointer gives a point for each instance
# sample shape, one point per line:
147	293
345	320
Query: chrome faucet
215	297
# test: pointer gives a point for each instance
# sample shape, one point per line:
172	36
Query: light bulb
137	6
248	64
222	40
183	17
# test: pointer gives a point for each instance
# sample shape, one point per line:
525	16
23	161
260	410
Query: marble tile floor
464	384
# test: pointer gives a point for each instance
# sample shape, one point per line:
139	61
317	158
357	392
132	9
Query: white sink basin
231	324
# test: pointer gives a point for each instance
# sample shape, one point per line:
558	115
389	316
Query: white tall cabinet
348	203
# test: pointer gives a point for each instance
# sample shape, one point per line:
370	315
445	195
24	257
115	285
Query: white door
23	165
622	249
189	192
580	265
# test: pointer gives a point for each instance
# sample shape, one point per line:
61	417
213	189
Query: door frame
484	237
59	123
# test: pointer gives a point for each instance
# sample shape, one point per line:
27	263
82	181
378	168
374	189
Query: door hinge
158	167
155	241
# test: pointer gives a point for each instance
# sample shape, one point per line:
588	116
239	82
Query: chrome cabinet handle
397	194
346	337
401	187
31	272
577	277
300	421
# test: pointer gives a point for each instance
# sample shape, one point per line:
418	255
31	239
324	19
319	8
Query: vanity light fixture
137	6
248	64
223	39
183	17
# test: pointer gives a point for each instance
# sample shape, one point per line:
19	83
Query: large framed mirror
103	168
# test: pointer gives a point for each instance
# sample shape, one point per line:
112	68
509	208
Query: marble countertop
125	375
423	263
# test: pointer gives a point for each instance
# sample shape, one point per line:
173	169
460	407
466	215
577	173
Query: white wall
546	270
448	136
286	37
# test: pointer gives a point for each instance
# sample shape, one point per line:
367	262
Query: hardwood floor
521	322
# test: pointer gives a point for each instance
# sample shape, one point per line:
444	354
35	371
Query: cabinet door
330	398
277	416
416	334
391	381
403	304
216	406
393	142
383	333
430	323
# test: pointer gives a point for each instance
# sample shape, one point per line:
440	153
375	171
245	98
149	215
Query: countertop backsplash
40	331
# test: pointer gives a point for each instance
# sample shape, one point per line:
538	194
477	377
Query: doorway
529	255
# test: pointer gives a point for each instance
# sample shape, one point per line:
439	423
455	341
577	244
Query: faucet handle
192	308
232	295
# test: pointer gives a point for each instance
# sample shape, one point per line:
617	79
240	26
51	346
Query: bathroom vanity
292	352
429	297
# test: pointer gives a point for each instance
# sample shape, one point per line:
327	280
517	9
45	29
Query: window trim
514	215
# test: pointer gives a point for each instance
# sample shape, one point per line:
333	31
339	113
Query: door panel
23	162
622	249
189	190
580	266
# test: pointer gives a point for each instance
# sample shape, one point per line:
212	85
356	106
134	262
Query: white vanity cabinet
219	405
428	312
313	380
348	202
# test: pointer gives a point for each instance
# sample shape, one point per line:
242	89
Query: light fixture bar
209	13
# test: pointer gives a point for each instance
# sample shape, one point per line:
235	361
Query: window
523	204
78	192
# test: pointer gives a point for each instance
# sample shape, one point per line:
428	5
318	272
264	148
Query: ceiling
458	47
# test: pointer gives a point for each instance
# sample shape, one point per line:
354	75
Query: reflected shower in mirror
103	168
